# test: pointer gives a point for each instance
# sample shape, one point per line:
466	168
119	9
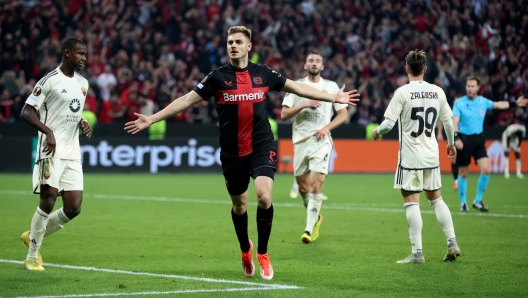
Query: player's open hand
349	97
522	101
51	144
85	126
451	151
138	125
375	135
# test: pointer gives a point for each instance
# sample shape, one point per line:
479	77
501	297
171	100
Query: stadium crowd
143	54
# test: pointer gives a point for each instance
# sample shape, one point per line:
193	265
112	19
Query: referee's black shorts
474	146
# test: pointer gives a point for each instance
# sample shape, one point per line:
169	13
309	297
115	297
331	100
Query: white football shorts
62	174
312	155
418	180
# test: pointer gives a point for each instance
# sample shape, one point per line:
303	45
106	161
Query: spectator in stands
162	41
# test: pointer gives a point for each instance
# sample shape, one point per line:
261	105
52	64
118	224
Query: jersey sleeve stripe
44	79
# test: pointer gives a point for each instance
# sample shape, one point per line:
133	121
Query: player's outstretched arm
504	105
29	114
175	107
302	90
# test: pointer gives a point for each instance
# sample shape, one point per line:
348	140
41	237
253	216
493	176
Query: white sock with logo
414	222
443	215
312	212
38	229
56	221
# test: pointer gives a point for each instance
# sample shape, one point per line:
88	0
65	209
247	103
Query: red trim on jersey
244	97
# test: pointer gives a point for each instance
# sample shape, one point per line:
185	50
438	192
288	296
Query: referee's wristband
513	104
456	136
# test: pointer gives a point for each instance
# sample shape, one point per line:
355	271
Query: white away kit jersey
308	120
417	106
60	101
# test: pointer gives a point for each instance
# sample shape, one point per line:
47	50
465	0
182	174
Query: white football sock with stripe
56	221
414	222
38	229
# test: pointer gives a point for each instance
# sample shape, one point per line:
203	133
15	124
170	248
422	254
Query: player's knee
317	187
485	171
462	172
304	188
72	212
47	202
263	198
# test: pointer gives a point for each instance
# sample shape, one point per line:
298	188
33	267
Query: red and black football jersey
240	99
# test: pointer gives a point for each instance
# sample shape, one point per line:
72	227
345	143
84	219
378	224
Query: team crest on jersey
257	80
37	91
83	90
482	112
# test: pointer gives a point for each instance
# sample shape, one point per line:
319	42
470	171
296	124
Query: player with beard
312	140
240	90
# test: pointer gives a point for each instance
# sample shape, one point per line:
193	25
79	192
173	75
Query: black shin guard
241	228
264	223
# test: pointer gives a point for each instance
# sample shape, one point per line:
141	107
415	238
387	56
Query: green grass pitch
168	235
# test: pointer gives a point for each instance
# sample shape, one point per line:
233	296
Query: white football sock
518	166
312	212
38	229
443	215
56	221
306	198
414	222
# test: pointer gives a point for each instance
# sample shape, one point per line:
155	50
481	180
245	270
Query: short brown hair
416	61
472	78
314	52
240	29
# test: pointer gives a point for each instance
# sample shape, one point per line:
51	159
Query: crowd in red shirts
144	54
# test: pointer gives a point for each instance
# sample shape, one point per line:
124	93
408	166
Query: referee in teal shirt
468	118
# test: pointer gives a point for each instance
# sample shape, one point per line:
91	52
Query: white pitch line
184	277
151	293
347	206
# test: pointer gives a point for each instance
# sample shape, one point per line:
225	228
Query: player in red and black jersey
240	89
